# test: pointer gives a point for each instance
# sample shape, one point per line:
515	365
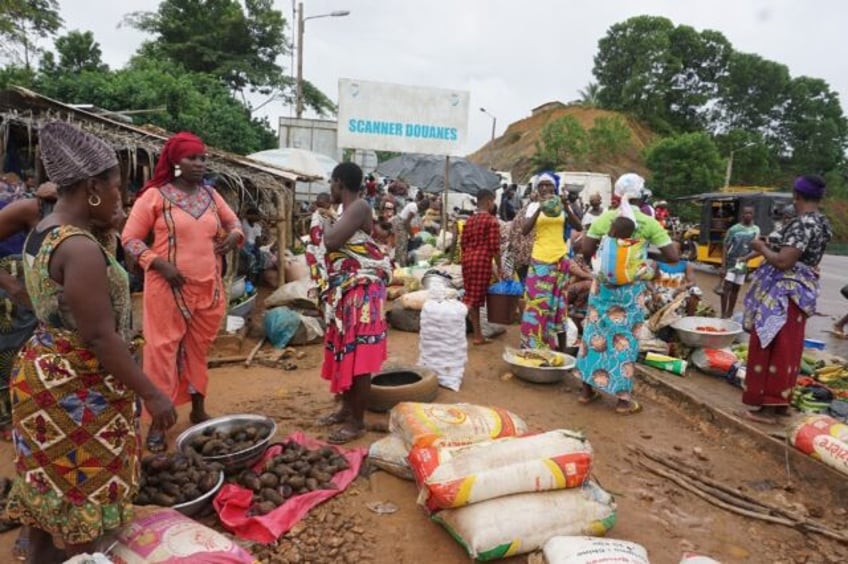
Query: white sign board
408	119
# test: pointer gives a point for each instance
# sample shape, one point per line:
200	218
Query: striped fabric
623	261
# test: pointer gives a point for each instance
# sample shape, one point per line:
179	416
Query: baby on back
623	259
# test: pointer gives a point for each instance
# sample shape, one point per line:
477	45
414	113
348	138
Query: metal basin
193	507
690	336
540	374
235	461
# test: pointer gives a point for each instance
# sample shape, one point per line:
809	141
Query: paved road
831	305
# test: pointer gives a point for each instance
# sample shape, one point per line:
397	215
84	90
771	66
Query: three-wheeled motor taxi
720	210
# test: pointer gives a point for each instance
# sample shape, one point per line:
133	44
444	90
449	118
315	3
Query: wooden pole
445	202
282	236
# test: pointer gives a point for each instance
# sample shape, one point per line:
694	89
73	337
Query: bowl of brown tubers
234	441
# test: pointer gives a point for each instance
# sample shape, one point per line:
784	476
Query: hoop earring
94	202
177	171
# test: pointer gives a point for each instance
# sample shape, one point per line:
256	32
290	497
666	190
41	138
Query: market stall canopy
427	172
308	165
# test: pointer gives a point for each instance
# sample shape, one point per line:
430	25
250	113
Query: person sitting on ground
672	280
252	229
481	244
734	268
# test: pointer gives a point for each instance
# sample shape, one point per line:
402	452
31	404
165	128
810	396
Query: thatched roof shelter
243	182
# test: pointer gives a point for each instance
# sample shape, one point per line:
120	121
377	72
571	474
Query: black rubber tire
403	319
383	398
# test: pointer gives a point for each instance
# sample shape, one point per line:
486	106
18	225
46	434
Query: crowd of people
68	354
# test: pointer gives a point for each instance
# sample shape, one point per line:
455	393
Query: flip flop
344	435
837	334
156	442
633	407
595	395
481	343
762	419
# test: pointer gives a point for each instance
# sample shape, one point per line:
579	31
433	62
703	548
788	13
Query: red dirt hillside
514	149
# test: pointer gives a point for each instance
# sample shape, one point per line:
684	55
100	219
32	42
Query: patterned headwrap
810	187
628	187
548	177
70	154
177	147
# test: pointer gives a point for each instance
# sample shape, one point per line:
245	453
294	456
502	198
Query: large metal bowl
238	460
540	375
690	336
195	506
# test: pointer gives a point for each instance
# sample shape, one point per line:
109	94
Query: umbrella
427	172
306	163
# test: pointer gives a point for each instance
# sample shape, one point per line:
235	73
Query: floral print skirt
76	441
359	346
608	351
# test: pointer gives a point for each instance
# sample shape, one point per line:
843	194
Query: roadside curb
657	385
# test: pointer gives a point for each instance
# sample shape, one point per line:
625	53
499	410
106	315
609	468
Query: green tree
608	137
22	22
633	68
589	95
684	165
813	128
192	101
78	52
239	45
751	96
755	161
562	141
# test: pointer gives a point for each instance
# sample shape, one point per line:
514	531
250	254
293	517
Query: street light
729	169
300	21
492	143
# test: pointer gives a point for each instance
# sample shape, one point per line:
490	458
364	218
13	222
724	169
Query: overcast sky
511	56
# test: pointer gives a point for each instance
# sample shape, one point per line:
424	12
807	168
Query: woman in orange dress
184	296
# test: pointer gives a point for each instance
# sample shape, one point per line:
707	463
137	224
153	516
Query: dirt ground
651	511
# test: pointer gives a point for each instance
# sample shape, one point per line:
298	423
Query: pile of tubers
172	479
215	442
296	470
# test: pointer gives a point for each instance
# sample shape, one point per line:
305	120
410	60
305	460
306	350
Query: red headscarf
177	147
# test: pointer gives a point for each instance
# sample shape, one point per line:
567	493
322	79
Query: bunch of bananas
832	375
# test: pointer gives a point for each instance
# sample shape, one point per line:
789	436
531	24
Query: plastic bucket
501	308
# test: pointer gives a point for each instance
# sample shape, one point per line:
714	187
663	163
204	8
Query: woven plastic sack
522	523
442	345
824	438
166	536
435	424
390	454
591	550
450	477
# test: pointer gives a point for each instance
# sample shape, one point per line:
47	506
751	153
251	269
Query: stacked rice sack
497	490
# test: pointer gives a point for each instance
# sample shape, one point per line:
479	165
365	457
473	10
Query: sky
510	56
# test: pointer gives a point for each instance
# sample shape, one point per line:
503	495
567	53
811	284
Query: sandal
344	435
331	419
477	343
584	400
20	550
156	442
632	408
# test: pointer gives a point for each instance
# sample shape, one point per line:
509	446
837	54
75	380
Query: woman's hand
162	410
228	244
169	272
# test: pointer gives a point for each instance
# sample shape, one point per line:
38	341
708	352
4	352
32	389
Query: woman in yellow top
545	312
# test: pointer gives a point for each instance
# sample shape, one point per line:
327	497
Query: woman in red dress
480	244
